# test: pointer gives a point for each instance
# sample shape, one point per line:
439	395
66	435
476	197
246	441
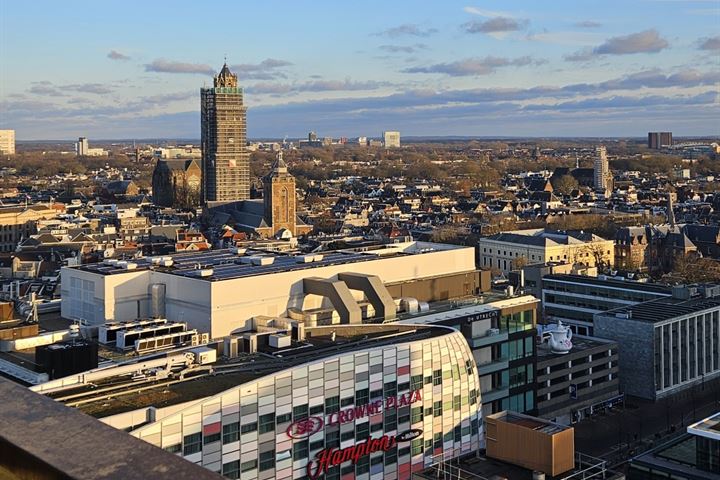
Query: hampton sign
331	457
310	425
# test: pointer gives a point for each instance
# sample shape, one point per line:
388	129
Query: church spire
225	78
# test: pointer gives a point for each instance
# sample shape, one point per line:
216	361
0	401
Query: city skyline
468	68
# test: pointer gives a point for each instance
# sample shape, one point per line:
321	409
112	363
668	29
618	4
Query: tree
692	268
565	184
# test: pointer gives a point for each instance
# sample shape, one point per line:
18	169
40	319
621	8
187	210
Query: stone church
176	183
273	216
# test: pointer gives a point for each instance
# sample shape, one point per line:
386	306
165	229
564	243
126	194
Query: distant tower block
601	169
391	139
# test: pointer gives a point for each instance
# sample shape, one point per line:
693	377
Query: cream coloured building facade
7	142
504	251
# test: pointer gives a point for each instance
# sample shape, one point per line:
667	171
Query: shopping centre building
369	400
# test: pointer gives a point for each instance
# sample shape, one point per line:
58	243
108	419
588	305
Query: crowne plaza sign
310	425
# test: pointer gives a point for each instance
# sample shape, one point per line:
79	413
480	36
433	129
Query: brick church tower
279	198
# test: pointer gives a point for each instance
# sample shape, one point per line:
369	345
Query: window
456	402
250	427
437	440
215	437
332	439
231	432
267	423
346	435
192	443
177	448
416	414
284	418
437	377
363	466
362	431
376	427
346	401
390	421
403	387
332	404
469	366
473	397
390	389
317	444
249	465
301	450
300	412
315	409
376	394
232	469
437	409
362	397
428	379
267	460
376	460
417	446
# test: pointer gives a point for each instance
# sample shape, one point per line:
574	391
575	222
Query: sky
130	69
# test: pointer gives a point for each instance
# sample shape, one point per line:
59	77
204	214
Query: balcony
491	337
493	366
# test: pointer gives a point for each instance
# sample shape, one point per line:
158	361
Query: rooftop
664	308
127	392
532	423
579	343
708	427
545	238
228	264
611	282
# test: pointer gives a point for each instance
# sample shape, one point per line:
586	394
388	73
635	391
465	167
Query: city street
627	431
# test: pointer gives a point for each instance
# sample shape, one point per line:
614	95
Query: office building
225	158
693	456
505	251
601	171
82	146
391	139
658	140
7	142
675	341
576	299
365	400
571	386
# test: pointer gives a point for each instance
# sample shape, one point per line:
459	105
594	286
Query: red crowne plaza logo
305	427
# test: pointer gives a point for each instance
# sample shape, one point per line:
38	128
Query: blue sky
133	69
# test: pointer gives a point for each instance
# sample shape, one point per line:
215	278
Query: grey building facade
574	385
670	344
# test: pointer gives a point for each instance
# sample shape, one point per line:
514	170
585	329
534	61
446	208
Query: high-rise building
225	158
7	142
601	170
657	140
391	139
82	146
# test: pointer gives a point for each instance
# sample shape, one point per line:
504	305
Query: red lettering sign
306	427
331	457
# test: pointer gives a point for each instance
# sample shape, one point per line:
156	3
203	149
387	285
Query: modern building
508	250
601	170
176	183
658	140
366	401
572	386
501	333
391	139
82	146
693	456
7	142
218	291
576	299
675	341
411	282
225	158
